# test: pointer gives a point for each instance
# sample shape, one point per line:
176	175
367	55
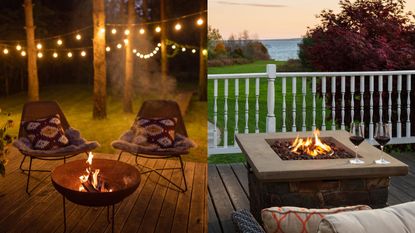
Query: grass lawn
259	67
76	102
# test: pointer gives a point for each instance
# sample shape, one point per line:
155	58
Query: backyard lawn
76	102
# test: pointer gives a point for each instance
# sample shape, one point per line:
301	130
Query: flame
90	157
309	146
90	175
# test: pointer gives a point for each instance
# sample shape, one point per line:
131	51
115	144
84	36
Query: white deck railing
293	118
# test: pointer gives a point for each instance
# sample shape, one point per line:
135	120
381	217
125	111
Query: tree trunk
129	63
33	82
100	76
202	65
163	37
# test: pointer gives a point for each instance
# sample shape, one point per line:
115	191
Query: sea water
282	49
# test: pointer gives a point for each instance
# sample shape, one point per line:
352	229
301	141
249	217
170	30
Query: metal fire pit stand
122	178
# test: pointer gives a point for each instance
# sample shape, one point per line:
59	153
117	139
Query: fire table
120	180
315	183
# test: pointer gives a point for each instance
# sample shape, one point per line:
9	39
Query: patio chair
156	109
44	109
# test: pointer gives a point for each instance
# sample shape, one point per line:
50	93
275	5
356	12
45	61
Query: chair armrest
245	222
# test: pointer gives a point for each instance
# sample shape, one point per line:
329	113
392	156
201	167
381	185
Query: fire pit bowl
122	179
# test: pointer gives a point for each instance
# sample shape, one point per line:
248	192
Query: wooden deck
228	191
154	207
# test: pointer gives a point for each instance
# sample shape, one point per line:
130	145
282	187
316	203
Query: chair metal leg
64	214
161	175
28	176
21	163
119	156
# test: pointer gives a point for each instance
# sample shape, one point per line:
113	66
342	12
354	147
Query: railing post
271	71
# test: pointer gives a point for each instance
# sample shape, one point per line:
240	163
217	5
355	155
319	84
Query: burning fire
92	180
310	146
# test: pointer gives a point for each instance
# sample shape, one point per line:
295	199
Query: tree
100	76
33	82
365	35
129	63
163	39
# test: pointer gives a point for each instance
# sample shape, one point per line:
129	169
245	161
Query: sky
270	19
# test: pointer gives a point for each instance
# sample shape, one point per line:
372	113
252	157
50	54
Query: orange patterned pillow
299	220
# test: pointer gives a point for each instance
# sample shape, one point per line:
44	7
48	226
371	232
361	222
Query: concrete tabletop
267	165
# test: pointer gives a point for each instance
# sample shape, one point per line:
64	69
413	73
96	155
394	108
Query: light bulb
119	46
126	41
178	27
193	50
102	30
204	52
59	42
69	54
18	47
127	32
23	53
159	44
142	31
157	48
55	55
158	29
107	49
114	31
173	46
39	55
141	56
199	21
137	54
83	53
134	50
78	37
183	49
39	46
151	54
6	51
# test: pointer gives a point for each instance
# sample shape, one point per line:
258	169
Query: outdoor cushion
157	131
398	218
76	145
245	223
299	220
129	142
46	133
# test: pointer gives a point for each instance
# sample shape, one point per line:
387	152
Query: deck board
153	207
222	198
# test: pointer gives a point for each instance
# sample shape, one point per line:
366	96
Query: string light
193	50
107	49
39	46
5	51
55	55
18	47
119	46
114	31
59	42
69	54
102	30
200	22
178	27
142	31
39	54
173	46
157	48
23	53
134	50
158	44
158	29
204	52
78	37
126	41
183	49
83	53
127	32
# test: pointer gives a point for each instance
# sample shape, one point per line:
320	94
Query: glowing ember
92	180
310	146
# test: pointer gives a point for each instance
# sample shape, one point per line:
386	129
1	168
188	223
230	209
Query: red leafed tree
364	35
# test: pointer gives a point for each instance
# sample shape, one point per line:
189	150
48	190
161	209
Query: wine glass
382	136
357	131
